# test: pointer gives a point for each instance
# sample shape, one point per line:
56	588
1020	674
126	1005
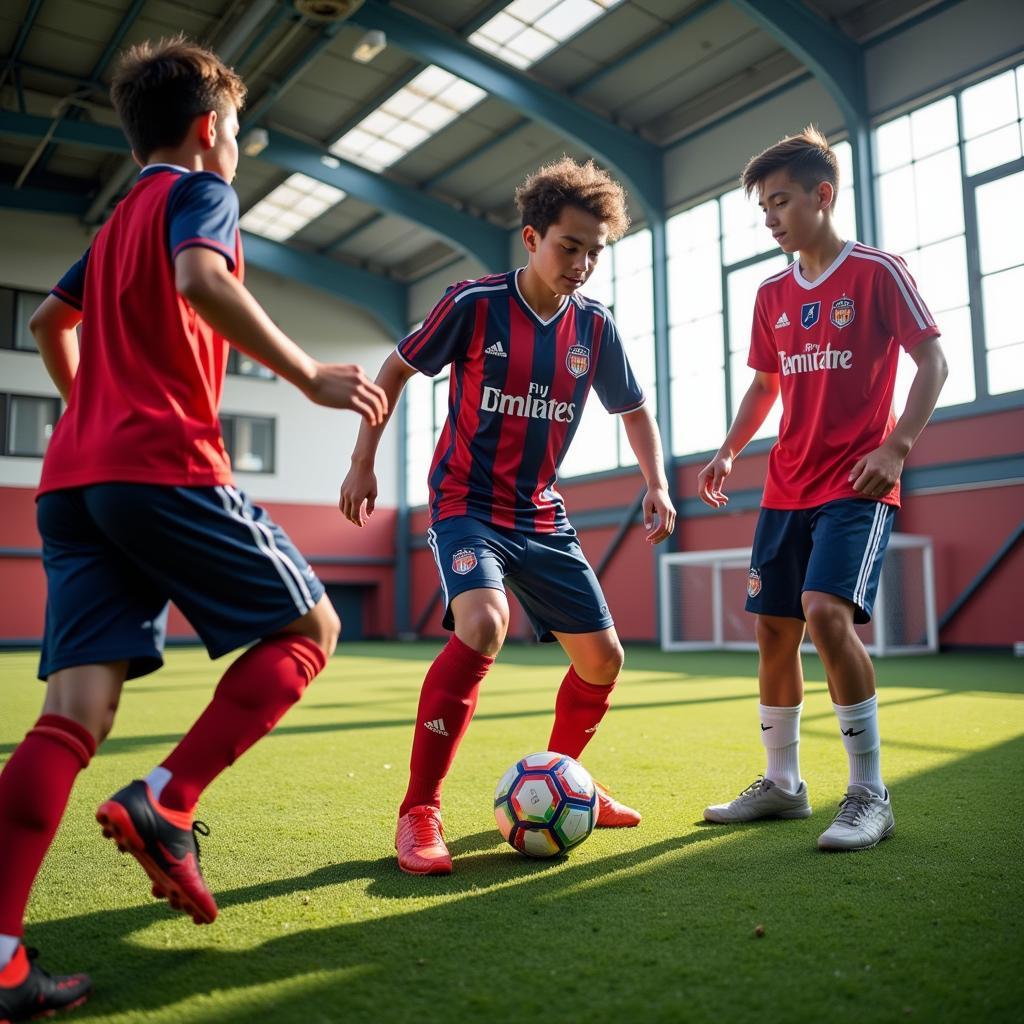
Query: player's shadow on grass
675	913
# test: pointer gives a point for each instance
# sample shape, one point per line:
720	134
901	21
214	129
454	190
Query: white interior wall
313	443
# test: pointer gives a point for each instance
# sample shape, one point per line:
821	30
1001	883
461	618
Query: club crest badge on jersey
753	583
577	360
809	313
843	312
464	561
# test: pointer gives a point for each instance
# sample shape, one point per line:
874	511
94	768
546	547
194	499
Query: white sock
780	734
157	779
8	947
859	725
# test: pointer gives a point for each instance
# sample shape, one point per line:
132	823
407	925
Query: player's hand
659	515
358	494
710	480
345	386
874	475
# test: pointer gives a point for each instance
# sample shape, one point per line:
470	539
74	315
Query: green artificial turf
650	924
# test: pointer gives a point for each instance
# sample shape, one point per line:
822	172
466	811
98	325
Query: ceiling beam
381	297
637	160
837	62
480	239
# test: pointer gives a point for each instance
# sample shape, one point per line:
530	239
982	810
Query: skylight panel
433	99
527	30
290	207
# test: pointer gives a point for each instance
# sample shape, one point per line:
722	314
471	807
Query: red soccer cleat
612	814
164	843
420	842
27	991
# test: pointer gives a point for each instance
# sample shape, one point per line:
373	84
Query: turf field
652	924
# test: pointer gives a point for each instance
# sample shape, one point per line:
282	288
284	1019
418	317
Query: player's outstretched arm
756	405
659	512
876	473
53	326
202	277
359	488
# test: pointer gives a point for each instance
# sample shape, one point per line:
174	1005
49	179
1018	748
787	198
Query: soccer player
526	348
136	504
826	334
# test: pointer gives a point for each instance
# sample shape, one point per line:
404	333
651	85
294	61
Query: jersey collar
530	310
822	278
151	169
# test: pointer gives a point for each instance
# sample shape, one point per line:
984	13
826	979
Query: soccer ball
545	804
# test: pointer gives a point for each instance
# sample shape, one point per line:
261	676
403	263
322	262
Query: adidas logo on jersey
497	349
783	321
437	725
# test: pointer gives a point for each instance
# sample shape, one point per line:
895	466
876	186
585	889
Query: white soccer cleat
863	821
761	799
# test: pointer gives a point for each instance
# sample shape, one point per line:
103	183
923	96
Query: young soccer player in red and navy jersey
525	349
137	507
827	334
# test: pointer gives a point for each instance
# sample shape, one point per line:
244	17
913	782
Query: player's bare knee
483	628
828	621
605	669
774	638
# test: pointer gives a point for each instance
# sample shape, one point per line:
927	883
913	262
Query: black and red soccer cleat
27	991
164	842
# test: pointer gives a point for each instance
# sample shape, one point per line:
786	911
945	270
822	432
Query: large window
241	365
26	424
950	181
16	309
249	441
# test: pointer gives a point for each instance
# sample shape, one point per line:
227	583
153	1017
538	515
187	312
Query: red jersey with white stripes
144	402
835	341
517	391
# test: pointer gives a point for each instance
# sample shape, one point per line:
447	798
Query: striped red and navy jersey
835	342
144	403
517	391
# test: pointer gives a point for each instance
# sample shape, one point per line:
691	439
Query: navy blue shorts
835	548
115	554
547	572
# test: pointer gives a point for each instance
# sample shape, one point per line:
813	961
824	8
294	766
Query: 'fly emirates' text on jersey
835	342
144	402
517	391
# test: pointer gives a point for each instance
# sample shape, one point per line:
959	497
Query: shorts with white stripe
115	554
835	548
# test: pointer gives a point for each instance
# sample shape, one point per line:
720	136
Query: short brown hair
546	192
807	157
160	88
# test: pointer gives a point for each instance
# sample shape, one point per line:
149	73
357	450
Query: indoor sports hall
381	144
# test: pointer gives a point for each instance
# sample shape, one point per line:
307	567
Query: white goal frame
739	558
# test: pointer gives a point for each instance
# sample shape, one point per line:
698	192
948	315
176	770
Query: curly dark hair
160	88
546	192
807	157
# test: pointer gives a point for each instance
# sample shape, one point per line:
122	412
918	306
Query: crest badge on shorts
753	583
843	312
577	360
464	561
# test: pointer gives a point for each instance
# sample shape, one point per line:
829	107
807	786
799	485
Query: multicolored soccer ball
545	804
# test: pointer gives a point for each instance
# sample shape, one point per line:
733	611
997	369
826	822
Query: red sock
249	701
447	703
34	789
579	708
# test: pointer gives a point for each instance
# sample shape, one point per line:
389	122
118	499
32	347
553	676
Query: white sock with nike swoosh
780	734
859	725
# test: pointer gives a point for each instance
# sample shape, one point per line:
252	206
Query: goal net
702	594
